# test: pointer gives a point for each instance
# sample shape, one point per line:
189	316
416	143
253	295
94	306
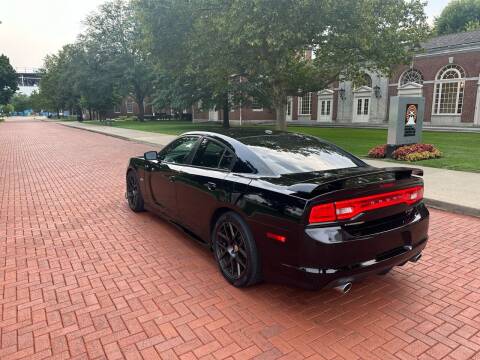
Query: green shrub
126	118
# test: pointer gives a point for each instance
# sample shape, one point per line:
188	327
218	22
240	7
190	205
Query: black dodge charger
283	207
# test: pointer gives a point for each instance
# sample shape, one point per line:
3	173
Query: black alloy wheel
134	196
235	251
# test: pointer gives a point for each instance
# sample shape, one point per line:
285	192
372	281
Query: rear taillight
347	209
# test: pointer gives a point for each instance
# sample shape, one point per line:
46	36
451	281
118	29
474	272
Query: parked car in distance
283	207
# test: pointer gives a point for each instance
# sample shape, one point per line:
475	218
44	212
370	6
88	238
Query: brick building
448	69
446	73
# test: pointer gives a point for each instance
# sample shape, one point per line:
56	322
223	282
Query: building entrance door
362	109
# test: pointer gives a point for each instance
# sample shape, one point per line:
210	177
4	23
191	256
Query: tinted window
227	160
178	151
209	154
295	153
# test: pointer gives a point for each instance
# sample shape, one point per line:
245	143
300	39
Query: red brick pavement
84	277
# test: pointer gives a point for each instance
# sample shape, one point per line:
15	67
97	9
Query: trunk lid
313	184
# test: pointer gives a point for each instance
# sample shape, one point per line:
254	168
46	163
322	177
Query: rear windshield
295	153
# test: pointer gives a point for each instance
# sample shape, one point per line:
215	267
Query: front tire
235	251
134	195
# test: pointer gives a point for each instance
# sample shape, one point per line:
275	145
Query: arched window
449	87
411	76
364	80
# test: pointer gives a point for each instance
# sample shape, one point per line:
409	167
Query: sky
31	29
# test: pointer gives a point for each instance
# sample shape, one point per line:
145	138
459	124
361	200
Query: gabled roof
452	40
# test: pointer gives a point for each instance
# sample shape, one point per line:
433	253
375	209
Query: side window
209	154
178	151
227	160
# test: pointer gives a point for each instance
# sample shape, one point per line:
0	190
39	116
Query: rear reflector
347	209
276	237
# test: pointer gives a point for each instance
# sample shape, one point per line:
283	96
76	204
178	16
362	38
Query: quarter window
305	104
211	154
178	151
449	89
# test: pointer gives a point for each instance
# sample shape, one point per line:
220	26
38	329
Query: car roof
238	133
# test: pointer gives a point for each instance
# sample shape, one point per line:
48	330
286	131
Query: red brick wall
249	114
431	65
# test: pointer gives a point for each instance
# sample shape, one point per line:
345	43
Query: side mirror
150	155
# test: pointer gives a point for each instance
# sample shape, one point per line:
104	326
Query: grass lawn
461	150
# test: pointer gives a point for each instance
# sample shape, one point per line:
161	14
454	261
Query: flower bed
378	152
414	152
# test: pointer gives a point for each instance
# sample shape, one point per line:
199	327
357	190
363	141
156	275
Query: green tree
21	102
56	88
345	36
458	16
77	78
6	109
261	44
8	80
116	37
194	62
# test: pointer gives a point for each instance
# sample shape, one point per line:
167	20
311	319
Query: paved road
83	277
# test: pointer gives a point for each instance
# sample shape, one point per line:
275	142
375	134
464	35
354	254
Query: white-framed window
363	106
449	89
256	106
305	104
325	107
411	76
129	106
117	109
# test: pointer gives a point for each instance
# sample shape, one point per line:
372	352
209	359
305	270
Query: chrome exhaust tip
345	288
416	257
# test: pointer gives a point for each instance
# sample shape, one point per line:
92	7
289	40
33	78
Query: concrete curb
453	208
111	135
436	204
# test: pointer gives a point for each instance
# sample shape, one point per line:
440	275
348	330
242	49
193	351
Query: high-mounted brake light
347	209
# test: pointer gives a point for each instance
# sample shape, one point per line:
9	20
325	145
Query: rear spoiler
404	170
400	173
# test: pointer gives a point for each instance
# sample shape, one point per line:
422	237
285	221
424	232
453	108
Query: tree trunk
79	114
226	113
281	114
90	114
141	109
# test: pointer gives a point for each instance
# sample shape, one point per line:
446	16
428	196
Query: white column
476	117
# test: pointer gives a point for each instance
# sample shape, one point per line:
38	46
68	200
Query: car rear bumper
332	256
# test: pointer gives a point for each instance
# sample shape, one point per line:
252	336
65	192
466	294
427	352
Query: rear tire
235	251
134	195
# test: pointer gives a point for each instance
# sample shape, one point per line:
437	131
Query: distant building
28	80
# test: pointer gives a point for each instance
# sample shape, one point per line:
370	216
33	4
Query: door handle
211	186
171	178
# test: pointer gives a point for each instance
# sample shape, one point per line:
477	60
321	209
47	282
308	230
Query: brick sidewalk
84	277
